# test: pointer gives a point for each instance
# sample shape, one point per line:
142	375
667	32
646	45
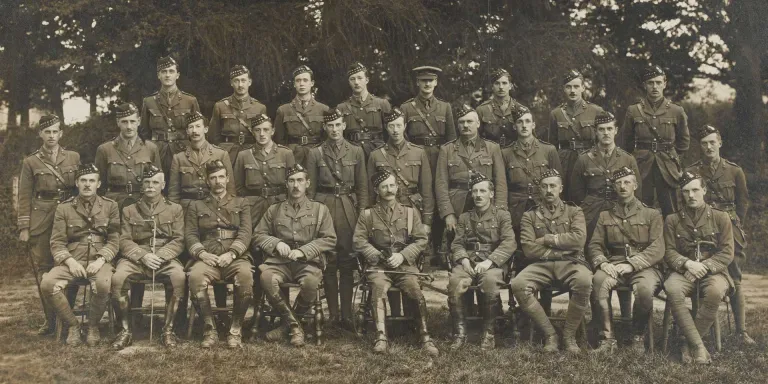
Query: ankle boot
98	305
573	319
458	314
210	333
168	338
739	305
608	342
61	306
426	342
540	320
379	314
490	309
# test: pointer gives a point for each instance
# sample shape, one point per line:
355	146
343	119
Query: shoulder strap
333	170
53	170
630	238
426	122
394	169
300	116
410	220
128	168
653	129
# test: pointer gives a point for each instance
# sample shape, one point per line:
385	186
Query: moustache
550	195
573	94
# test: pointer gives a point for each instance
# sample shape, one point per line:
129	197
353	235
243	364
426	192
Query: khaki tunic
164	122
418	120
121	168
365	121
291	131
85	236
497	124
260	177
523	169
231	122
188	176
573	133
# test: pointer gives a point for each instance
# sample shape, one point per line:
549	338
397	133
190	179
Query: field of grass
25	357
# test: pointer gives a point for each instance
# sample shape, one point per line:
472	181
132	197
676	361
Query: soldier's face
625	186
129	126
153	186
217	181
468	125
196	131
387	190
426	86
51	135
396	130
88	184
606	133
241	84
303	84
550	189
501	86
168	76
482	194
654	87
710	145
525	126
693	194
263	133
297	184
574	89
358	82
335	129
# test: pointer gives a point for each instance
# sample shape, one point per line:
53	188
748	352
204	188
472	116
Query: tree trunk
57	101
92	99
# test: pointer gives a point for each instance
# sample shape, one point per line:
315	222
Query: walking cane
37	279
152	297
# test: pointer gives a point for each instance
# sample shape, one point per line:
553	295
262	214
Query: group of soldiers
307	196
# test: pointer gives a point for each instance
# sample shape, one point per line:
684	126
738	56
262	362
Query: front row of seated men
627	248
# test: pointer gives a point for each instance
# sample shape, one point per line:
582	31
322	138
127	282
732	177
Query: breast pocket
642	129
667	126
68	173
156	120
416	127
373	116
485	165
641	230
293	126
276	173
234	216
45	180
440	125
117	173
587	130
229	123
315	124
348	170
308	225
189	176
180	117
725	191
540	229
75	226
205	220
253	176
138	231
516	173
413	169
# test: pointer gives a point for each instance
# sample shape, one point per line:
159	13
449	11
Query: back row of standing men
364	135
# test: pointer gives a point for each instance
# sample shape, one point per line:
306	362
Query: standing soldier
429	123
294	235
572	125
47	178
231	121
590	184
84	240
123	159
338	169
656	133
299	124
390	238
151	240
188	181
496	114
553	236
363	112
458	161
164	114
626	248
699	248
217	234
526	160
483	244
727	187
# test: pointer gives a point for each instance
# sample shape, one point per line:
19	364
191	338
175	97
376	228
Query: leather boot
125	337
61	306
607	342
426	342
220	298
331	286
346	288
289	319
395	303
490	308
240	307
168	338
573	319
258	297
539	318
739	305
49	325
458	314
687	327
99	303
379	314
210	334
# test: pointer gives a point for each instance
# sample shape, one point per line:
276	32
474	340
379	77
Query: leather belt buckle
129	188
200	194
241	138
304	140
265	192
654	146
503	140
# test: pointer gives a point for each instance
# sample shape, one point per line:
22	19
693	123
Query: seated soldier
294	235
553	236
699	248
217	233
86	231
626	248
150	243
390	238
483	244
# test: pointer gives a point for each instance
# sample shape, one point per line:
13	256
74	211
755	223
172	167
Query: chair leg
111	316
319	319
651	337
717	334
665	327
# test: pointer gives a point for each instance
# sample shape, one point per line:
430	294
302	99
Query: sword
397	272
152	298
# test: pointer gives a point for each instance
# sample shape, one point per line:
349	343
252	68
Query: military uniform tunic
231	122
656	137
455	165
383	230
497	124
136	242
83	235
40	191
299	126
260	177
365	121
188	177
121	166
429	123
410	165
303	225
482	236
218	226
590	185
163	120
339	180
524	167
